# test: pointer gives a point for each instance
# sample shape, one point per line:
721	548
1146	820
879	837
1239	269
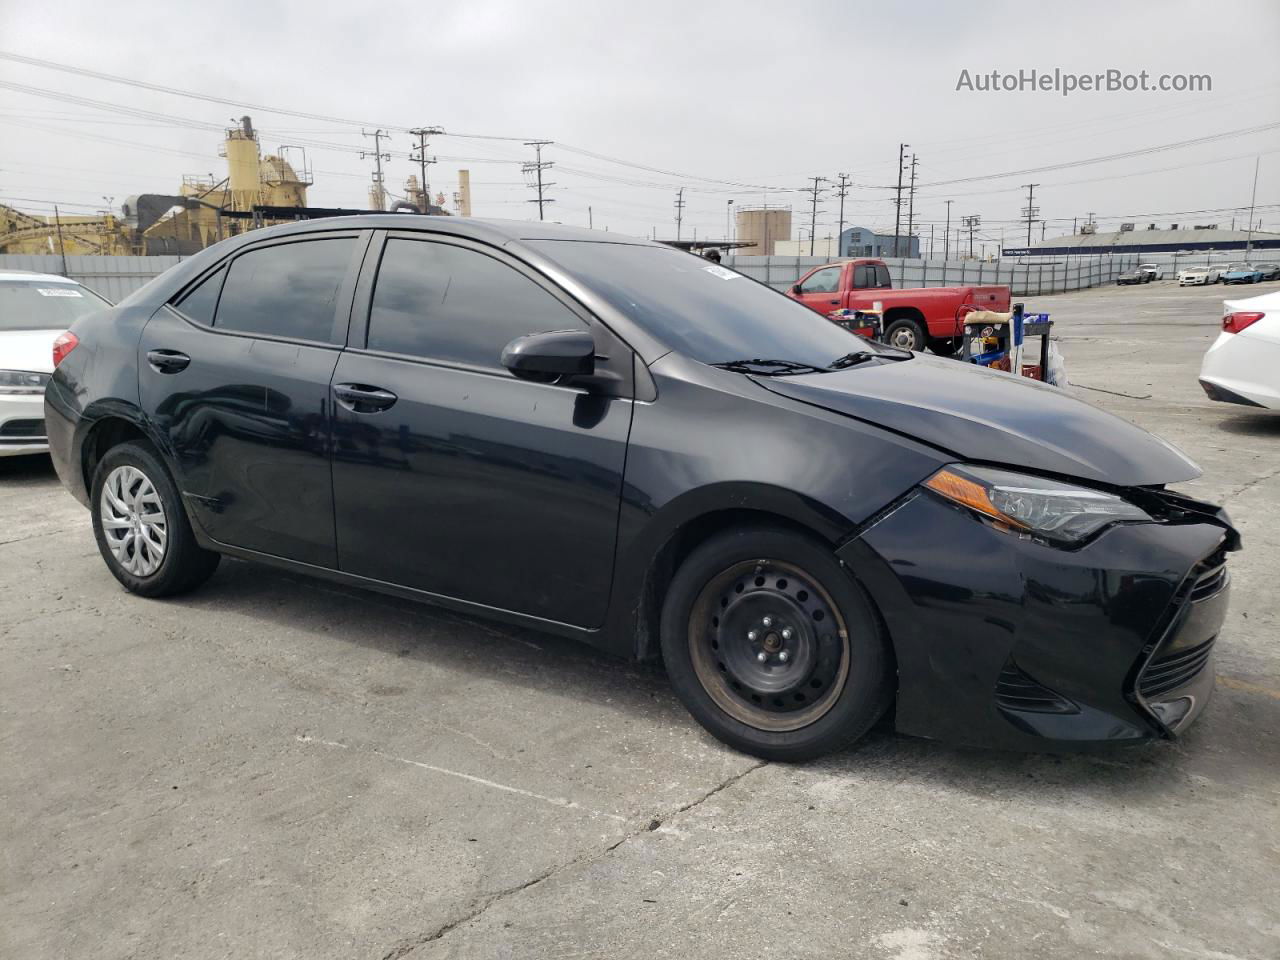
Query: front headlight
1036	506
22	382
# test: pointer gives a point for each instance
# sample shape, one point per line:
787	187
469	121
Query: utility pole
897	202
57	225
679	210
842	191
1030	212
911	205
971	222
379	192
536	168
424	161
813	217
591	223
728	209
1074	221
931	241
946	234
1248	244
1043	225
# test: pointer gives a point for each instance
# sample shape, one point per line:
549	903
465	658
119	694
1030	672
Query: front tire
944	346
141	527
772	645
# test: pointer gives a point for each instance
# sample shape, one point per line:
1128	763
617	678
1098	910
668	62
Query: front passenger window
824	281
444	302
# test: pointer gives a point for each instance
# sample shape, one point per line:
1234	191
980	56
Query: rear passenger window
287	290
444	302
200	303
882	276
864	276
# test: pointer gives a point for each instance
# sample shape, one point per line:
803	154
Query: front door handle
167	361
833	301
362	398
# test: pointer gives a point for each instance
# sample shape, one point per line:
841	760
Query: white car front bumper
22	425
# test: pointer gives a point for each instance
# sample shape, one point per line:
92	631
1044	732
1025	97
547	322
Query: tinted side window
864	276
200	302
288	290
826	280
882	276
450	303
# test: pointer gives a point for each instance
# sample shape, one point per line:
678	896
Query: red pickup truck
913	318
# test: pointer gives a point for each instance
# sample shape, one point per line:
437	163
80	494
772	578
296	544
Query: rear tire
141	526
813	679
905	334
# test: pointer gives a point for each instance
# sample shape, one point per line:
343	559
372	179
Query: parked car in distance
1243	364
913	318
1132	276
35	309
1269	271
1242	273
605	438
1198	276
1153	271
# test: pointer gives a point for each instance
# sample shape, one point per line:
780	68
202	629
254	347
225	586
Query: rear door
234	375
821	289
453	476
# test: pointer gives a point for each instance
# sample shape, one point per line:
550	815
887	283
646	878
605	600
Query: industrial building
1174	239
257	191
861	242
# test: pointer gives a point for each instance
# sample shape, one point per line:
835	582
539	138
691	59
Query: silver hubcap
904	338
133	521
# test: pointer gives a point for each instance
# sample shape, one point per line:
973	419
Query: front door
451	475
235	377
821	289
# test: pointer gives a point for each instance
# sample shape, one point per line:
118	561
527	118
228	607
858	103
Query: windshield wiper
858	356
768	368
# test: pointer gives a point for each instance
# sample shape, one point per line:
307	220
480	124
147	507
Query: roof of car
14	275
494	231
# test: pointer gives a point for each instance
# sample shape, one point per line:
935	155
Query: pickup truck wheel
906	334
944	346
773	646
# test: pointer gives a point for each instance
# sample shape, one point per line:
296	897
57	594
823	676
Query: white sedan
1243	365
35	309
1197	276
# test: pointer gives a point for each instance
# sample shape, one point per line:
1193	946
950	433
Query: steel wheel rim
776	694
133	521
904	338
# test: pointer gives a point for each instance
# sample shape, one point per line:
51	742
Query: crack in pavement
408	946
1251	484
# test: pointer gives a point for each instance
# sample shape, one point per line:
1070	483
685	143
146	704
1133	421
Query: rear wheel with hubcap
906	334
772	645
141	527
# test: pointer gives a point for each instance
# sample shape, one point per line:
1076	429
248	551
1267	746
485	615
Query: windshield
705	311
44	304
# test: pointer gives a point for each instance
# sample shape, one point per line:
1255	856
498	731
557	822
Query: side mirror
795	288
547	356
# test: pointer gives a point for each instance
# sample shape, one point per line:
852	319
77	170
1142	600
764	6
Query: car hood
984	415
28	349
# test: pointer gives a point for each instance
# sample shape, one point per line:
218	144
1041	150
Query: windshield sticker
721	272
59	292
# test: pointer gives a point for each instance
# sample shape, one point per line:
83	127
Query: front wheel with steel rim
773	646
142	530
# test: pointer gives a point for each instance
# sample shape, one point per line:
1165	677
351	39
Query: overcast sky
707	95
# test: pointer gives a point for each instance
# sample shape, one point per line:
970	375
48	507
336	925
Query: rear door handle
362	398
167	361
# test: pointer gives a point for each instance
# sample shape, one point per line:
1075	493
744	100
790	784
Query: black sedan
609	439
1133	276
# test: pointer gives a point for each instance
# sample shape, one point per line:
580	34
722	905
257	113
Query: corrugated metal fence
113	277
1025	278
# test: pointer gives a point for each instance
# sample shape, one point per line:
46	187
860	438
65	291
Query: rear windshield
701	309
44	305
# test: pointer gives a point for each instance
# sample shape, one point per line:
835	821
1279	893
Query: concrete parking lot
275	767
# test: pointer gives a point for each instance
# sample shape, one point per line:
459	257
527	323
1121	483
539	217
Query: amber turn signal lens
969	493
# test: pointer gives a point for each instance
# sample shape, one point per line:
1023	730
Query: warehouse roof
1142	238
